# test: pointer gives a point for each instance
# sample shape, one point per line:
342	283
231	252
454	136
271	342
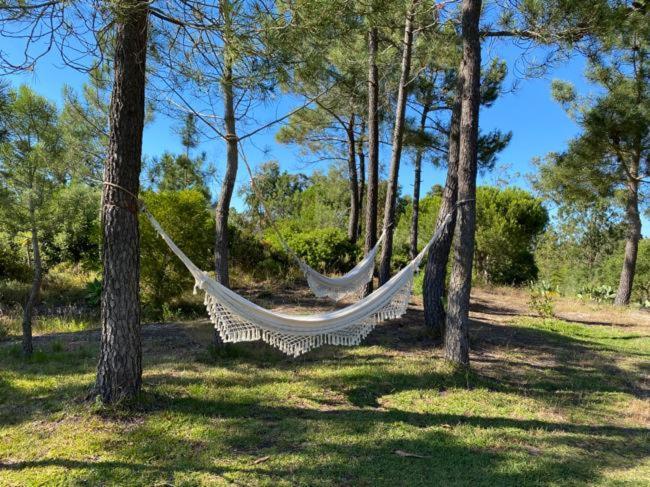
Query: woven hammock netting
238	319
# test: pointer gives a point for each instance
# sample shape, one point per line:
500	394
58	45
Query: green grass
11	324
546	403
610	338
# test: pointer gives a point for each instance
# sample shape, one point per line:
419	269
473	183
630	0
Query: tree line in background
405	75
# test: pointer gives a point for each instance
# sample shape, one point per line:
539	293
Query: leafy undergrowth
546	403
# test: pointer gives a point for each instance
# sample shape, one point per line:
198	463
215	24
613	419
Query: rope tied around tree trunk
139	203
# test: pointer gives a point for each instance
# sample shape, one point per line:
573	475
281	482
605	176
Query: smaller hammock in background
351	284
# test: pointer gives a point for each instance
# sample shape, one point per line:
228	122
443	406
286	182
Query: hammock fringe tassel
233	328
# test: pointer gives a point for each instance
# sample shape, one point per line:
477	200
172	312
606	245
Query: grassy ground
548	402
65	303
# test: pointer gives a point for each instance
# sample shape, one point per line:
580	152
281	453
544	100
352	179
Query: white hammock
238	319
349	284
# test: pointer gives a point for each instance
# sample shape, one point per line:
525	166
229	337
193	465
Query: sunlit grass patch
611	338
11	324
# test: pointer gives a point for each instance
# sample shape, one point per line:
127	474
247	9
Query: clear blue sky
539	125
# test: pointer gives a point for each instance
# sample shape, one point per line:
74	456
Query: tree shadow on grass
17	406
353	443
445	462
359	448
556	362
361	444
98	472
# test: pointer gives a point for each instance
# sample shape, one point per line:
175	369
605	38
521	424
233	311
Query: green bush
540	299
185	217
71	232
13	292
13	264
610	270
94	292
254	256
324	249
601	294
508	224
592	270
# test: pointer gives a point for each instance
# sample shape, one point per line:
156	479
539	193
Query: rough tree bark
415	217
361	156
632	237
398	137
433	289
119	373
353	223
35	290
373	148
228	184
457	322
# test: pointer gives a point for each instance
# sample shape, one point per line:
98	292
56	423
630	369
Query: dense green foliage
184	215
588	264
13	257
324	249
316	201
176	172
508	223
309	212
257	258
72	229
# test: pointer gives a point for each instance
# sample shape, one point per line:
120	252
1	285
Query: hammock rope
238	319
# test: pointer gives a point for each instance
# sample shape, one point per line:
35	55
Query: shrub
508	223
94	292
13	292
540	299
507	226
252	255
13	265
324	249
65	283
4	332
610	271
600	294
185	216
71	232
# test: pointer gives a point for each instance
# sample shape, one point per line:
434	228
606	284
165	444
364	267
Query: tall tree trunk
633	231
228	184
398	136
415	217
361	156
119	373
35	290
457	323
632	237
353	224
433	290
373	147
